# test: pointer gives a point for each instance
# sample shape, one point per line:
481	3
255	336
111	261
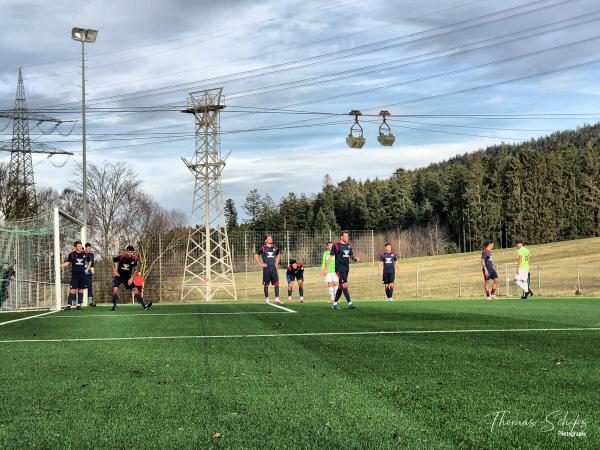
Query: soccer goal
31	251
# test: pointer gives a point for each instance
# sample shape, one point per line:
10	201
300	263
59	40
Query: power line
218	32
340	54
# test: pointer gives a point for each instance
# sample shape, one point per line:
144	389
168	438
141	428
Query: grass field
417	374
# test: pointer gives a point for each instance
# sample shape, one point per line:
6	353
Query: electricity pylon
22	199
208	267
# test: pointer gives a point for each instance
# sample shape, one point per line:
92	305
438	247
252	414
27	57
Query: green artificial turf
416	390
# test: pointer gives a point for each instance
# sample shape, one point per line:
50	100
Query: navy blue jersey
77	260
299	270
342	254
126	265
268	254
486	255
89	257
389	261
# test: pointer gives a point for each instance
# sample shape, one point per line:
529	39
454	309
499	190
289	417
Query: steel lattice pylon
23	202
208	267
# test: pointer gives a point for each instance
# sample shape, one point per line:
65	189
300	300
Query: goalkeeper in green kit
522	273
331	277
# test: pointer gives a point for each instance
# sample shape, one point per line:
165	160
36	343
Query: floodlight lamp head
91	35
84	35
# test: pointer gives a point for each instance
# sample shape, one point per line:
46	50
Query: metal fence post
459	282
160	270
539	279
246	261
372	265
507	280
417	283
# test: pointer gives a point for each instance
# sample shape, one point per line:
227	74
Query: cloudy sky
290	71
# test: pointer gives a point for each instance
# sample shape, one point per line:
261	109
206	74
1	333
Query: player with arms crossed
331	277
270	260
76	260
295	271
123	267
522	273
489	271
342	252
389	263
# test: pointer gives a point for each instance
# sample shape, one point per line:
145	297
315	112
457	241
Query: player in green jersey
331	277
522	273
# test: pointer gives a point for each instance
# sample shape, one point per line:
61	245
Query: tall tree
231	215
252	207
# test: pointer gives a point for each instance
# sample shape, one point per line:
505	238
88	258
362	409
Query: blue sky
144	45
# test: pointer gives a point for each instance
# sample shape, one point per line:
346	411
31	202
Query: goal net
31	251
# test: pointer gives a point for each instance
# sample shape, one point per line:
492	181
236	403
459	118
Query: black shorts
291	277
78	282
270	275
118	281
388	278
342	274
493	275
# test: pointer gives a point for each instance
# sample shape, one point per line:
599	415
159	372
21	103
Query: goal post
31	253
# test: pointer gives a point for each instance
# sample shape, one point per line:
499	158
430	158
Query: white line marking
279	335
87	316
274	305
27	318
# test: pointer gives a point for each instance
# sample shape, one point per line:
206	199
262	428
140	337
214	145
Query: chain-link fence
448	276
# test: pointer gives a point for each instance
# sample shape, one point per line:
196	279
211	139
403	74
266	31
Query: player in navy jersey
343	253
123	267
489	271
76	260
267	257
389	262
295	271
89	273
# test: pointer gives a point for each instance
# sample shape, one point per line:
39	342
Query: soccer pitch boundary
314	334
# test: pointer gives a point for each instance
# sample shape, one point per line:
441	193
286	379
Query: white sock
331	291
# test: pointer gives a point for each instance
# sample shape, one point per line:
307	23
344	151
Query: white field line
91	316
282	307
280	335
27	318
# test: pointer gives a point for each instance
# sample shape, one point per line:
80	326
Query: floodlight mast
85	36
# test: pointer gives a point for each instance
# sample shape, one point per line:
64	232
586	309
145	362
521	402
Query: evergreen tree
231	215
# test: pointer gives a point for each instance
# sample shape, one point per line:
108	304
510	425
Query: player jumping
522	273
389	263
489	271
270	260
331	277
76	260
123	267
295	271
342	252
